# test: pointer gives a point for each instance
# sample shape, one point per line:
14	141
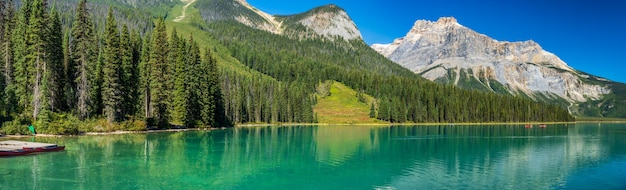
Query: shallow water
581	156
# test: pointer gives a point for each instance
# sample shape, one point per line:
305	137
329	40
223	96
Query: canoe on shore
5	151
14	148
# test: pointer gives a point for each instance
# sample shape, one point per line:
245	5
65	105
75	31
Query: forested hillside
51	75
72	66
403	96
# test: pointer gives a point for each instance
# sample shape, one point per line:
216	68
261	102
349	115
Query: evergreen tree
129	84
81	51
35	74
135	80
55	71
7	24
20	67
111	86
178	54
214	101
160	74
144	77
96	81
69	73
192	78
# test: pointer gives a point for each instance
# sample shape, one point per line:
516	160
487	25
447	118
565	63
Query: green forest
51	75
69	68
402	96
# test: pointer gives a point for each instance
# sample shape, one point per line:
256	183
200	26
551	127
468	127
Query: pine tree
144	77
35	74
192	77
97	84
135	80
81	50
18	40
129	84
69	70
160	74
55	71
178	54
6	61
111	86
213	106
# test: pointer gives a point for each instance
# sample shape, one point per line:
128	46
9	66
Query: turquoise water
581	156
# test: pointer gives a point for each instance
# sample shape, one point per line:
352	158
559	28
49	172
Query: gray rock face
329	22
444	49
269	22
332	24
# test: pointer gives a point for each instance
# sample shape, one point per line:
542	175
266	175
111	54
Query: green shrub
57	124
133	125
15	127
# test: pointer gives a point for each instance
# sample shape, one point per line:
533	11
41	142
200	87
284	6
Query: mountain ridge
327	22
442	49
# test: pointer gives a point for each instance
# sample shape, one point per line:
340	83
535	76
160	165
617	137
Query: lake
580	156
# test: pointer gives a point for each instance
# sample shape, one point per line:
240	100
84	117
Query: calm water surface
581	156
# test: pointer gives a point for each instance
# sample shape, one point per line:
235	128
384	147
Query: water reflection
329	157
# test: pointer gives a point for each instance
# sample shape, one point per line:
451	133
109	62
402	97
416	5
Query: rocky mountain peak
447	20
446	50
330	21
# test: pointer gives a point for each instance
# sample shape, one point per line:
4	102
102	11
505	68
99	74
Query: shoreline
398	124
113	133
308	124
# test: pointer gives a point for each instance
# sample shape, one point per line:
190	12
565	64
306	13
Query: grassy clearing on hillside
343	107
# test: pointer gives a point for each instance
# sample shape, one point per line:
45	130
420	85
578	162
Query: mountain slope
301	58
447	52
328	21
271	77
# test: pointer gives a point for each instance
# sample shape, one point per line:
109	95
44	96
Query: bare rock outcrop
437	49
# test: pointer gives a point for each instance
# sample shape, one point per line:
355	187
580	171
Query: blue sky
589	35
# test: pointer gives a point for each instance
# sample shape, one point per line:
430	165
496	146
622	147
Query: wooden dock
14	148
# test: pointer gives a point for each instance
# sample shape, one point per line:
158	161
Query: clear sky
589	35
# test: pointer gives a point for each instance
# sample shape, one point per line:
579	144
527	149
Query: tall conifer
111	87
35	74
160	74
178	55
6	61
55	71
128	83
144	77
18	39
81	50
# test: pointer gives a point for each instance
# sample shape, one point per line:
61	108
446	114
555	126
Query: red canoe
14	152
29	146
45	149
